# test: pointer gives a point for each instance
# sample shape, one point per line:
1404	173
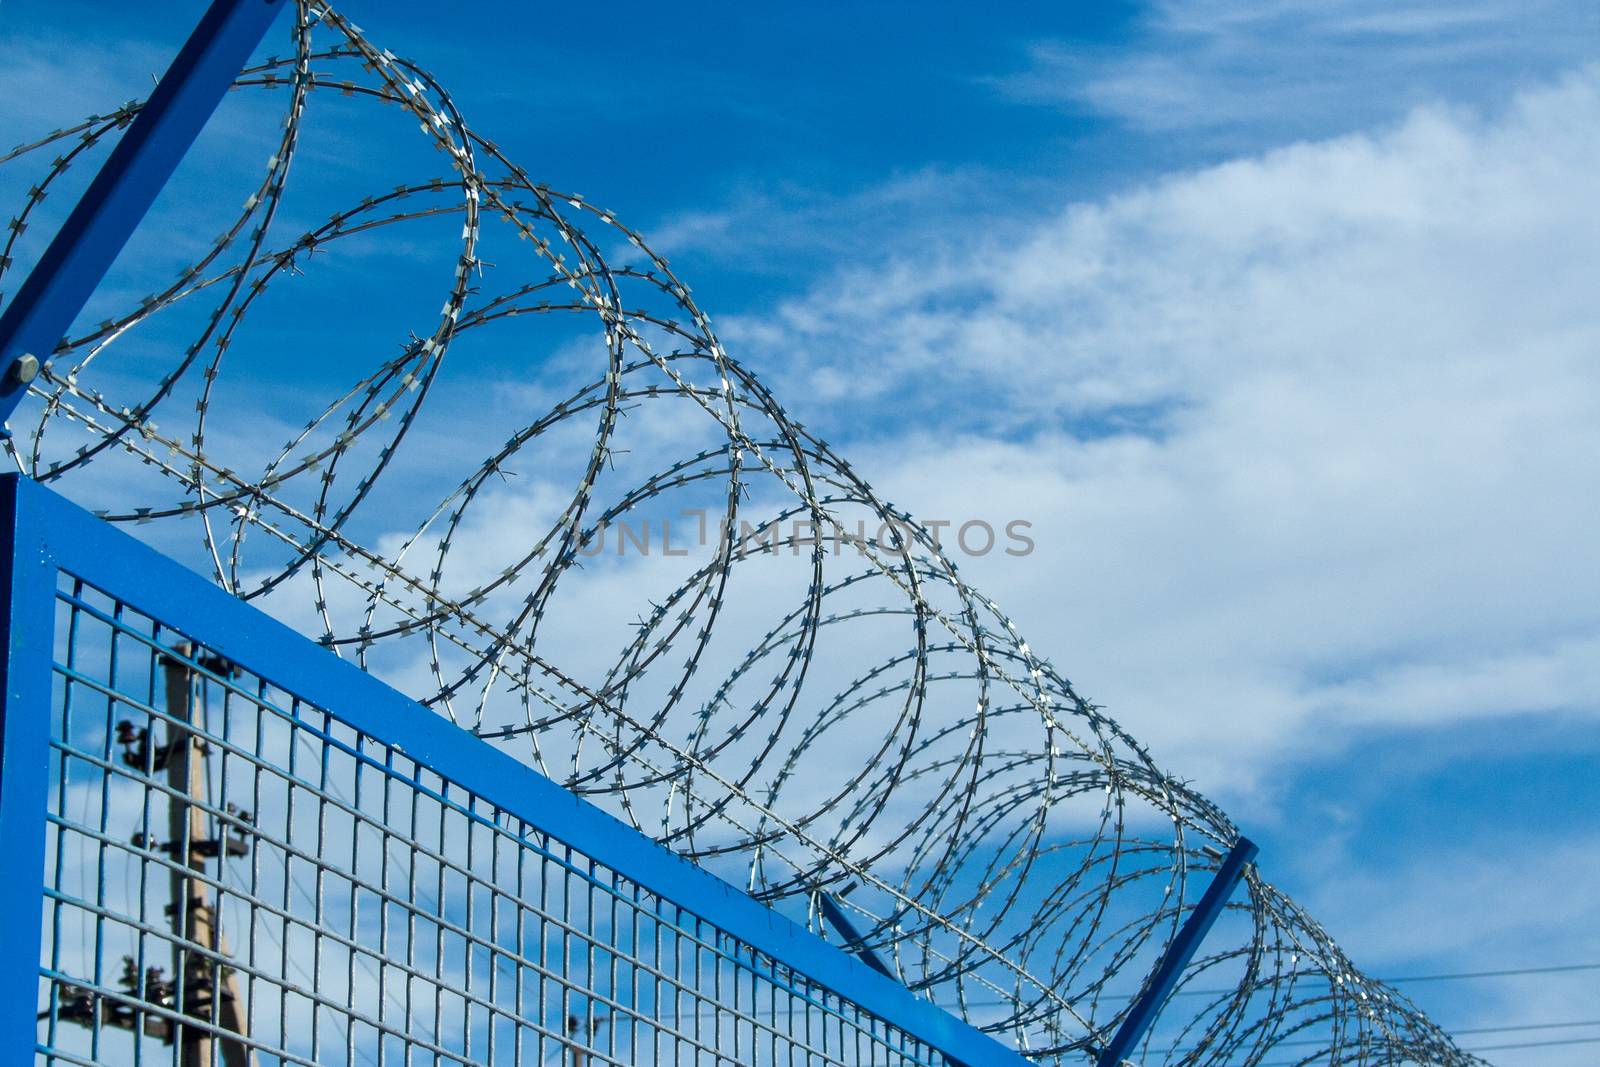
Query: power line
1315	1042
1524	1026
1478	1048
1562	968
1536	1044
1556	969
1497	974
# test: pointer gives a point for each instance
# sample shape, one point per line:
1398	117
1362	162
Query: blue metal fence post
27	618
852	937
857	944
101	223
1178	955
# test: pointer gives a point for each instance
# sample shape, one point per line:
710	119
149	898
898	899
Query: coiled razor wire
816	701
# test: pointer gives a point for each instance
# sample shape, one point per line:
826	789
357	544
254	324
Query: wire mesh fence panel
234	875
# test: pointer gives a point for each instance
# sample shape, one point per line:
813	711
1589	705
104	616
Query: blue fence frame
47	536
53	294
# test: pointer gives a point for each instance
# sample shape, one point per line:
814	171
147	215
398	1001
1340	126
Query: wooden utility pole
576	1038
200	978
201	986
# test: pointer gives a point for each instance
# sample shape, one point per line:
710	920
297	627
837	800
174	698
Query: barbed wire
814	700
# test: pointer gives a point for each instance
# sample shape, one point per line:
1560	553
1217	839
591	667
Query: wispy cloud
61	82
775	227
1307	438
1292	67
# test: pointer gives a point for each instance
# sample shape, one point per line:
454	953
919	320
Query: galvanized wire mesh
353	907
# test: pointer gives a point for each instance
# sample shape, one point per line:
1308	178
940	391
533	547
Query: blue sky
1275	318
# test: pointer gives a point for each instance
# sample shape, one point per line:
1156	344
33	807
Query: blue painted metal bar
852	936
149	582
1179	953
39	316
27	617
857	944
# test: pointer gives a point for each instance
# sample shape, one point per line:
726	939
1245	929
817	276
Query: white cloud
786	228
1275	66
1429	901
1510	906
64	81
1308	438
